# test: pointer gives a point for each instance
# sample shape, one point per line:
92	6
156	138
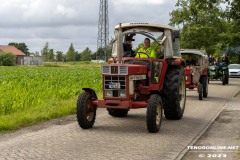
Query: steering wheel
142	53
129	54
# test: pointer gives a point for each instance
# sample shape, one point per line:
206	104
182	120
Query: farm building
19	54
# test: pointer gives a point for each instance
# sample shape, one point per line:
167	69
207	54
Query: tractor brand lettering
114	85
137	77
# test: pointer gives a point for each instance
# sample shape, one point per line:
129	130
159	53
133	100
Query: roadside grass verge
37	114
29	95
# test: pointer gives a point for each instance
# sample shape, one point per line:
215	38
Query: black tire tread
171	87
82	101
151	113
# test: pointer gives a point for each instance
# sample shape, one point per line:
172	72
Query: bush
7	59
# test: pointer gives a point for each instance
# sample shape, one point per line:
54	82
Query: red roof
12	49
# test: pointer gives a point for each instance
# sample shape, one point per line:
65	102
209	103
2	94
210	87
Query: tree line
49	55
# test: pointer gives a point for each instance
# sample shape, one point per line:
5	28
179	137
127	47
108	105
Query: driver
146	51
127	46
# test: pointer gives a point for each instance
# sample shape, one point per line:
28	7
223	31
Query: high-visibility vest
143	53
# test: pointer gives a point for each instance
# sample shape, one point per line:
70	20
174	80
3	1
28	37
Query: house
19	54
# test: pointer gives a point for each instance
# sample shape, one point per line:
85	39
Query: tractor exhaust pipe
120	44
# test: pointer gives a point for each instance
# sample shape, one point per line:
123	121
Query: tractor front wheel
86	112
154	113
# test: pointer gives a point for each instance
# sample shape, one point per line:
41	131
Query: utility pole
103	28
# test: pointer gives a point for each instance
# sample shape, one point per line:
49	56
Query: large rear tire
86	112
154	113
174	92
117	112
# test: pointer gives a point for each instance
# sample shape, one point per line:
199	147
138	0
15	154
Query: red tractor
157	84
196	71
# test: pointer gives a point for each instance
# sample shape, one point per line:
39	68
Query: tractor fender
177	62
180	61
91	92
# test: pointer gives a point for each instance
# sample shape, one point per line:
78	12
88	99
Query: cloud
34	13
137	2
62	22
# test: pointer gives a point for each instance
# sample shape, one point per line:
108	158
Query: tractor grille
115	86
114	70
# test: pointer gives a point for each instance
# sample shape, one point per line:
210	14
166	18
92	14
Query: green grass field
29	95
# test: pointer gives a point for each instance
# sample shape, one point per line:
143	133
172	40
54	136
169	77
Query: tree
45	51
78	56
202	23
234	9
231	38
86	55
59	56
233	15
21	46
71	54
51	55
98	54
7	59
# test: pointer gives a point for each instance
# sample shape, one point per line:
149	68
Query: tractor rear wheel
86	112
117	112
154	113
174	92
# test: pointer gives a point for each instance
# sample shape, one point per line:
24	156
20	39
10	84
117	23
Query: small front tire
154	113
86	112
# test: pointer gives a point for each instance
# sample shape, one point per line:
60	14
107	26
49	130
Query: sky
62	22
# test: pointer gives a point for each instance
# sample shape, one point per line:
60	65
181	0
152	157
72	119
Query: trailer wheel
223	79
200	91
86	112
117	112
174	92
154	113
205	86
227	78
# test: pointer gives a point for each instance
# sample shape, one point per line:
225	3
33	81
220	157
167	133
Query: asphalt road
119	138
